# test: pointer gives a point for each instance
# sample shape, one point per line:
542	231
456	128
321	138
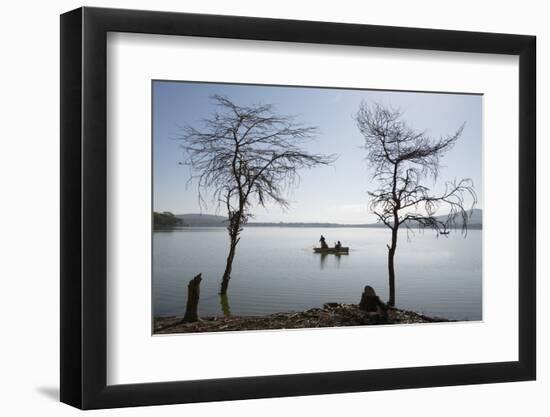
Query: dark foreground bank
331	315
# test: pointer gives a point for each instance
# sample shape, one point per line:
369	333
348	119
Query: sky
337	193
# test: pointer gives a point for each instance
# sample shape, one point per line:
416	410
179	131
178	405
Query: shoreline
330	315
294	226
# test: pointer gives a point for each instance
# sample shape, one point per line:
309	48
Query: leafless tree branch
401	160
245	156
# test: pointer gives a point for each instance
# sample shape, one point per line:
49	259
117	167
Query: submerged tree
246	156
402	161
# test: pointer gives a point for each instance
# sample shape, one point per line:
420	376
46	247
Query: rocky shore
330	315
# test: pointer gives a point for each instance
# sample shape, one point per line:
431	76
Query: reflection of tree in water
224	301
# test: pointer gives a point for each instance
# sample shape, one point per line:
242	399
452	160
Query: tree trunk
234	230
193	294
395	227
224	302
391	270
228	266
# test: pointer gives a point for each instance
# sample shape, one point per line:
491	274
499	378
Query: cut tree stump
371	303
193	294
369	300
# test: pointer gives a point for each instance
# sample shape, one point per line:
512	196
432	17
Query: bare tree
246	156
402	160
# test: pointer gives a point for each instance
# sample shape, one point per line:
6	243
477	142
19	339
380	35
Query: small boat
342	250
444	232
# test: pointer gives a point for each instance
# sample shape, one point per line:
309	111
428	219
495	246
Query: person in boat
338	245
323	242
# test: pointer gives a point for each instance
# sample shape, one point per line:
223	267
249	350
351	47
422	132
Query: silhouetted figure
338	245
323	242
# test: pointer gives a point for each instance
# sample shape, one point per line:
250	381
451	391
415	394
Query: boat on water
344	250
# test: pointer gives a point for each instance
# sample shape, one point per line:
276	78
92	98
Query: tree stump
371	303
369	300
193	294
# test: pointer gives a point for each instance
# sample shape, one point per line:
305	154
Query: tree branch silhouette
402	160
247	156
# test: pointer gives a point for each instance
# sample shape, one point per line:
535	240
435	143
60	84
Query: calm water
276	270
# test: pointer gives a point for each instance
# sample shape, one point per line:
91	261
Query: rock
372	304
369	300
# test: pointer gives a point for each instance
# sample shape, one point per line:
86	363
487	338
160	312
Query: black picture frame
84	207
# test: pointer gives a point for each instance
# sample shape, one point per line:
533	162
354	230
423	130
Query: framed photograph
257	208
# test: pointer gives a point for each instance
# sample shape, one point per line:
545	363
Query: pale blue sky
336	193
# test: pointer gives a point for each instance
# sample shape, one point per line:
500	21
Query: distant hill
203	220
210	220
302	224
166	219
475	220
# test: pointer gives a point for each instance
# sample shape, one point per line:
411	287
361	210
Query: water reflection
224	302
440	277
338	260
323	258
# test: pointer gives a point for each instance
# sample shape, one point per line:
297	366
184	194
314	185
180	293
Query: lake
275	270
